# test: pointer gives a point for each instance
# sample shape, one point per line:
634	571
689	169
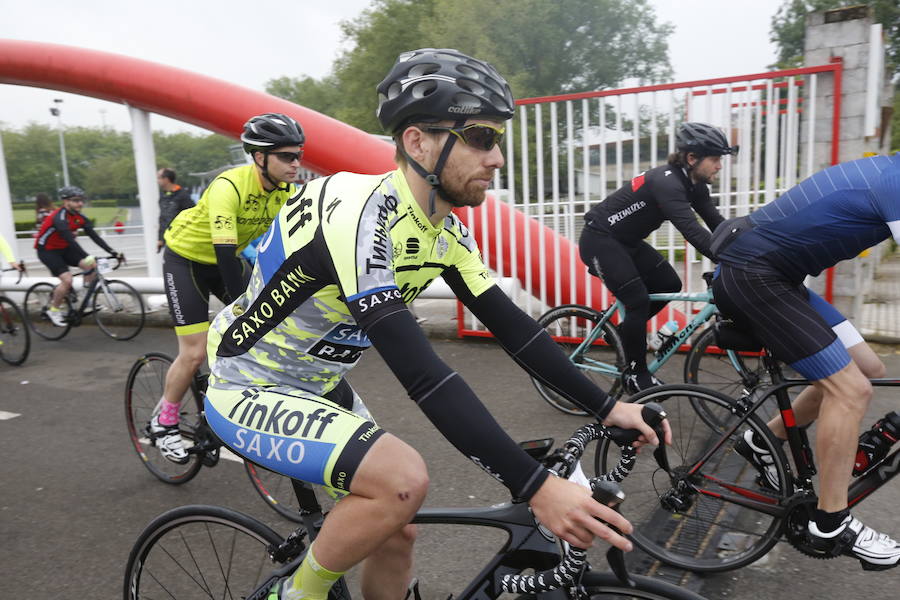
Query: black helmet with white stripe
70	191
271	130
435	84
703	139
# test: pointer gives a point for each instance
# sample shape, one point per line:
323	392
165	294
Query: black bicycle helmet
702	139
70	191
434	84
271	130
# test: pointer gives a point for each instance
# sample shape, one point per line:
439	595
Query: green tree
788	32
100	160
577	45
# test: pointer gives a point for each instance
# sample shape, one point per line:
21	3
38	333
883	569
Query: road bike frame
798	443
582	361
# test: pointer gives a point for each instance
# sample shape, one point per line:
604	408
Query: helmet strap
434	177
265	173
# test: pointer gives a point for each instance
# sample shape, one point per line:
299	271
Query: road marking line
5	416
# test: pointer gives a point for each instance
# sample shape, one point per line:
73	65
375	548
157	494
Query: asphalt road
74	496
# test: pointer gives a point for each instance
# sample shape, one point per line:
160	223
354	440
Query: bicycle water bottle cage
730	336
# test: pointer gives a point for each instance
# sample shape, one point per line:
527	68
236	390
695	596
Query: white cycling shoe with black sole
168	440
875	551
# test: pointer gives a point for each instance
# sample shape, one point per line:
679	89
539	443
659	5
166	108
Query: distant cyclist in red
58	249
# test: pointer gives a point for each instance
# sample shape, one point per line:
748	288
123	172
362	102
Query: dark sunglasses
482	137
288	157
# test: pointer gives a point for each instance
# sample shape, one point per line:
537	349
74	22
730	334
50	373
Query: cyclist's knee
192	350
634	295
849	391
395	472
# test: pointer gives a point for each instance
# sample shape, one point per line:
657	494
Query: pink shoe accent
168	414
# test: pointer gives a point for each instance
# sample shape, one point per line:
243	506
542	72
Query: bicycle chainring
800	509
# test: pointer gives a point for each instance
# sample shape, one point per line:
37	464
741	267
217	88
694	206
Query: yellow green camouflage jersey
234	209
342	250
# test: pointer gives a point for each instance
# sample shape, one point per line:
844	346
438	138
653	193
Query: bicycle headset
263	133
436	84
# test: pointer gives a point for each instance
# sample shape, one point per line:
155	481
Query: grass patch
102	216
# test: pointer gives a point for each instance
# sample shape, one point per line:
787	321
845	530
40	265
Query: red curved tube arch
223	107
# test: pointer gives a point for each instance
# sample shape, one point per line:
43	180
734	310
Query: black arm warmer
232	270
533	349
448	402
89	229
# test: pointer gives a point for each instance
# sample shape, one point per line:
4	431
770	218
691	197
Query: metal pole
145	167
62	141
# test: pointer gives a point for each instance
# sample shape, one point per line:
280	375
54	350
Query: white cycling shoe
168	440
56	317
875	551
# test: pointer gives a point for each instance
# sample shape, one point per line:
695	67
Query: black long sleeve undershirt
531	347
447	401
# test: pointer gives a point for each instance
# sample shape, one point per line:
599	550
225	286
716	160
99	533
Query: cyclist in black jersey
612	243
334	275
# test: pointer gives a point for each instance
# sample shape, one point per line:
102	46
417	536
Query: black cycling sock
829	521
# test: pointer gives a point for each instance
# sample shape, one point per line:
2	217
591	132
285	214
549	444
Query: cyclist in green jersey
334	275
202	248
7	253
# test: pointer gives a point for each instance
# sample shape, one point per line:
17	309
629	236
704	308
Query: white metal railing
565	153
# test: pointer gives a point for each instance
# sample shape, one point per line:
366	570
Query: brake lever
652	413
611	495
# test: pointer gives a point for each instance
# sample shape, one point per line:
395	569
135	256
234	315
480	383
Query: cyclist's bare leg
391	562
191	354
88	264
60	291
808	402
388	488
846	396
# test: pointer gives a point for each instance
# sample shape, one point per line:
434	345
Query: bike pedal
870	567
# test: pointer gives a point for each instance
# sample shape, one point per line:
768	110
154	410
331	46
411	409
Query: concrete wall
848	34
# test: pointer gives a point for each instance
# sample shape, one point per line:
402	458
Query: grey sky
248	44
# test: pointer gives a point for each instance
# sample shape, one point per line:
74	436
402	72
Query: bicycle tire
707	533
37	301
606	586
716	371
568	325
199	551
15	341
118	309
143	391
275	489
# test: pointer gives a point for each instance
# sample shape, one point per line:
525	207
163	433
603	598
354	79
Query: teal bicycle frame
702	316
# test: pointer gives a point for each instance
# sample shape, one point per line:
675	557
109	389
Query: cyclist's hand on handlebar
17	266
628	416
568	510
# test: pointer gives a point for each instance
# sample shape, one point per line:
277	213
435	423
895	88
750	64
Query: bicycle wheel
37	302
606	586
735	374
143	393
568	325
15	342
118	309
686	518
199	552
275	489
